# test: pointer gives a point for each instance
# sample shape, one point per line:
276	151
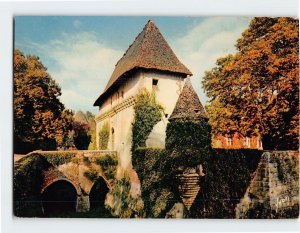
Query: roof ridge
134	41
149	50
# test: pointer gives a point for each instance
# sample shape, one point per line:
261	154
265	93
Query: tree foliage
82	138
40	119
85	130
256	91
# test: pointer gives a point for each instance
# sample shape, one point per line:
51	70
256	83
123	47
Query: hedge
157	188
109	165
227	176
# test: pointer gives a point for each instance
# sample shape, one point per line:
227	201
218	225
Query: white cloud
81	66
204	43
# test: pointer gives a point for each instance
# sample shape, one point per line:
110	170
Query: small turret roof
188	105
148	51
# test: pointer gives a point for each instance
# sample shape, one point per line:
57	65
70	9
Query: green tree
256	90
40	119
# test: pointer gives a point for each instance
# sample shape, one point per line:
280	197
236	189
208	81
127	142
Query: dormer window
154	84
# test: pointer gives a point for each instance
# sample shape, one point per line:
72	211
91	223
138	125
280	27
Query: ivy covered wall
104	136
147	113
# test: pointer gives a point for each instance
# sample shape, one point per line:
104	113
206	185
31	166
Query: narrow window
247	141
229	141
154	84
122	94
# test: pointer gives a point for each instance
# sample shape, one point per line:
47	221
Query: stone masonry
274	189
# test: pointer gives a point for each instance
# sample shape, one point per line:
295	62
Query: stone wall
274	189
73	167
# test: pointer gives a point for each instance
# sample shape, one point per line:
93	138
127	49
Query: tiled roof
188	105
148	51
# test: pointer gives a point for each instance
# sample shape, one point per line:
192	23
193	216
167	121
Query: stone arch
45	186
59	197
98	192
53	175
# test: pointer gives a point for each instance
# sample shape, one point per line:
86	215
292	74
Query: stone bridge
79	180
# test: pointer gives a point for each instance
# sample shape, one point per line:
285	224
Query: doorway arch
59	198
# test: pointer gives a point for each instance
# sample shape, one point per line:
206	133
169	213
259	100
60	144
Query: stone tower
188	109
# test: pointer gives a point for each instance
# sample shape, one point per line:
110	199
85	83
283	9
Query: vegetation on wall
227	175
109	165
58	158
104	136
147	113
256	91
125	205
157	192
27	181
227	172
187	143
93	145
91	174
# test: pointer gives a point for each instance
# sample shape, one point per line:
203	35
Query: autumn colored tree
40	119
256	90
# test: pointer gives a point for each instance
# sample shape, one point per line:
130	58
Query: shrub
75	160
109	165
27	182
92	175
104	136
125	205
58	158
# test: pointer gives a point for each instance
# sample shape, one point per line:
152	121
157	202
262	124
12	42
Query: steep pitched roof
188	105
148	51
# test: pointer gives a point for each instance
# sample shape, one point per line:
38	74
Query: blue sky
81	52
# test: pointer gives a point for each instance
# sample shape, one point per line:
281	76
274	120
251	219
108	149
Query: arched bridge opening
59	198
98	194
